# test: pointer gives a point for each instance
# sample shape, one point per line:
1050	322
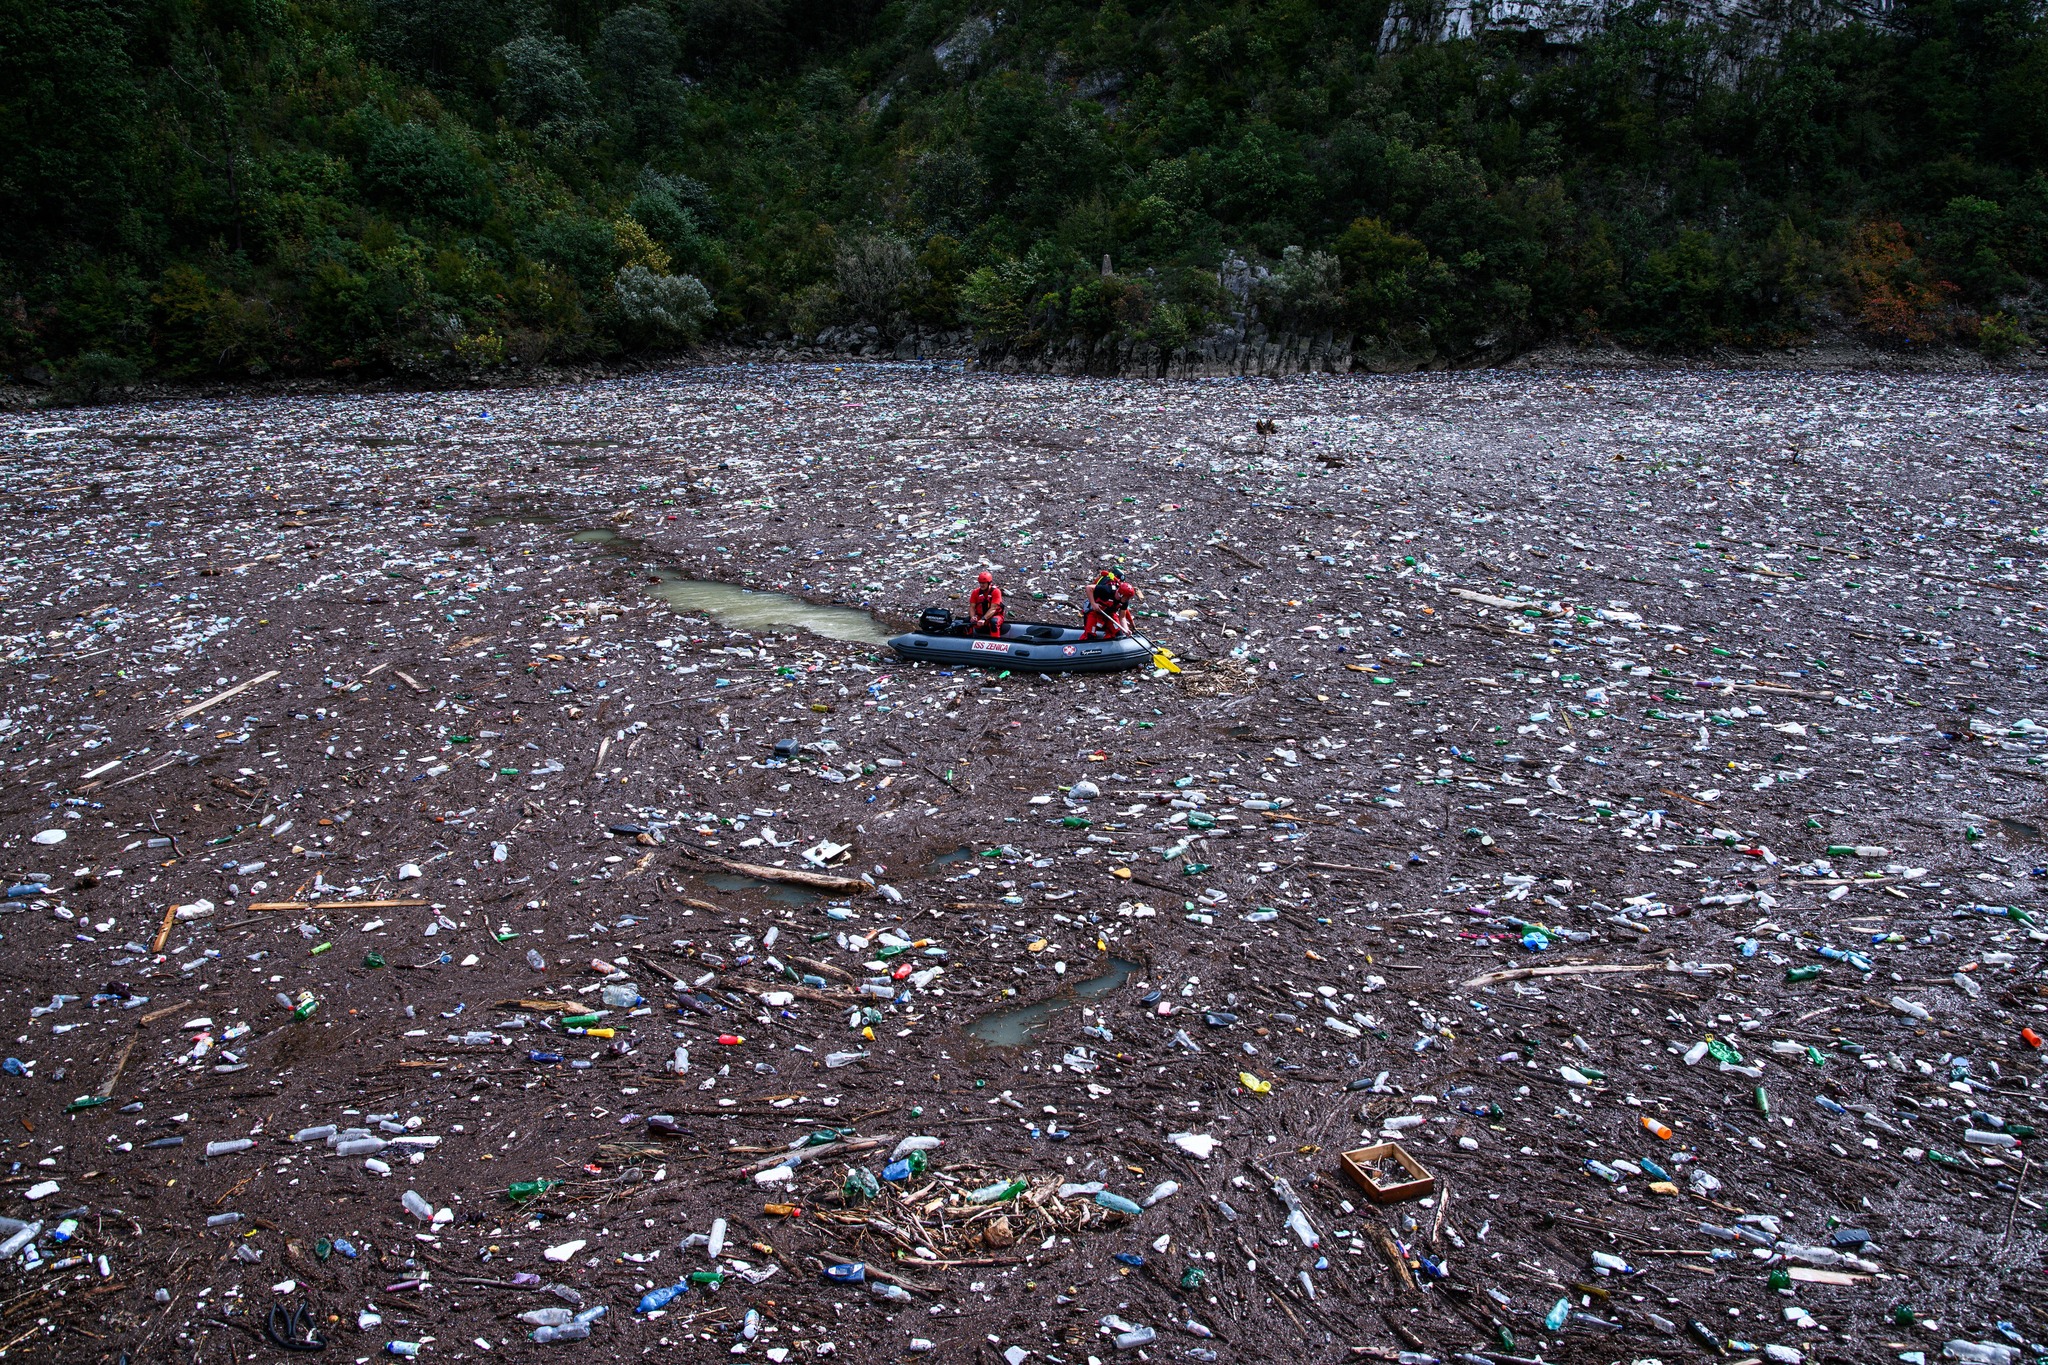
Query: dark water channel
1013	1027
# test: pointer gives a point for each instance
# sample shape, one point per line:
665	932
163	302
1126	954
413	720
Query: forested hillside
255	187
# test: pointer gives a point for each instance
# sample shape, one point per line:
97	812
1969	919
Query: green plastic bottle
998	1193
519	1191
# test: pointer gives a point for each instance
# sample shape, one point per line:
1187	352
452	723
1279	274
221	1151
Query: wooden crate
1356	1165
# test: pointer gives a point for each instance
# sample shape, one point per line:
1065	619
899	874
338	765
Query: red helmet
987	578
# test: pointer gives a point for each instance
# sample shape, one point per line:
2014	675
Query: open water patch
749	609
787	895
1013	1027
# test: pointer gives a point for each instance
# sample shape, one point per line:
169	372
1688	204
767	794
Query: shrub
1304	293
410	165
877	273
662	307
1999	335
1888	285
95	376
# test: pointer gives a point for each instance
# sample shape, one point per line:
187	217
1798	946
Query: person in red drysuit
1109	608
985	607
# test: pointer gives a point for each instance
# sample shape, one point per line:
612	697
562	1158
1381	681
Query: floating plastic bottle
1981	1352
519	1191
1165	1189
997	1193
914	1164
1116	1203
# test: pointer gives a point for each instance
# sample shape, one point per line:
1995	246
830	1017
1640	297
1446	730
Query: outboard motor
934	621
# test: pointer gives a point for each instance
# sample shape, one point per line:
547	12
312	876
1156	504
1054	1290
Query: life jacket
986	600
1110	593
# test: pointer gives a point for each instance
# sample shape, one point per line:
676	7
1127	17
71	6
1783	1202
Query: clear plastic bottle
535	960
1981	1352
568	1331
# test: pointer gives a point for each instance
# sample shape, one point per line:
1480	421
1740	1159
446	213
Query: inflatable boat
1028	646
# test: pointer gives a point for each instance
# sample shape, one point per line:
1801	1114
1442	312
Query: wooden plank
816	881
106	1090
146	772
163	931
335	905
1523	973
217	698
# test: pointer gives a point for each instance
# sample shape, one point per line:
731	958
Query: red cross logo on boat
1068	649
